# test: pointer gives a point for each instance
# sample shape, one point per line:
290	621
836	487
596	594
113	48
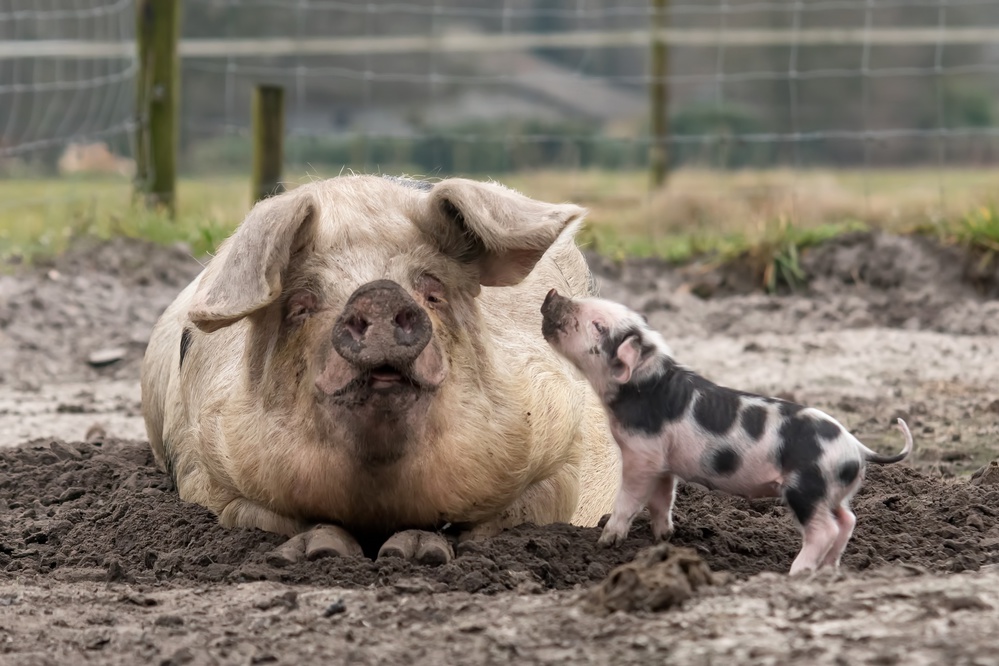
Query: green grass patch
765	219
42	217
776	257
675	248
978	229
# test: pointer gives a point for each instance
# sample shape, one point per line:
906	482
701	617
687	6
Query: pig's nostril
357	326
406	320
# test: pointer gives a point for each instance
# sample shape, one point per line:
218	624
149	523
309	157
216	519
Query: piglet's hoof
321	541
423	547
611	538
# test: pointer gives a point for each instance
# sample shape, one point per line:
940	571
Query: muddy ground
100	562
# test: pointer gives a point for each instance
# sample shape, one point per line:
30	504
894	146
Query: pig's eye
432	290
300	307
601	329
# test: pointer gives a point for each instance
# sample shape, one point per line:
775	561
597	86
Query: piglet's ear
502	232
628	357
246	273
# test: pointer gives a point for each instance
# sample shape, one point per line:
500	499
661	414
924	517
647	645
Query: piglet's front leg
661	507
640	476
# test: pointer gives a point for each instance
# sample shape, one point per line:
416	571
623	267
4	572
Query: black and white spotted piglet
672	423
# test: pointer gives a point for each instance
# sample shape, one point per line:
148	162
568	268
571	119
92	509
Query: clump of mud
987	475
659	578
103	511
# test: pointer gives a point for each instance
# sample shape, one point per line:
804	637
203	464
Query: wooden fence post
156	101
658	97
268	141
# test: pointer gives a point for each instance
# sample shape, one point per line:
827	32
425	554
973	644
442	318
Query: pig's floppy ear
627	357
246	273
502	231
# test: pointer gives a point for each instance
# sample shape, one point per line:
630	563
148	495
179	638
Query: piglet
671	423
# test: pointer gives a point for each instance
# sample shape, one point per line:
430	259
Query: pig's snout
381	325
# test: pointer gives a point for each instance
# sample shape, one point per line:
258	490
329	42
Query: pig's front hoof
423	547
321	541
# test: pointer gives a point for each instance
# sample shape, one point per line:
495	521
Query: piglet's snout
549	300
555	311
381	325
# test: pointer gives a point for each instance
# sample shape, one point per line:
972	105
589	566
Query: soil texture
100	562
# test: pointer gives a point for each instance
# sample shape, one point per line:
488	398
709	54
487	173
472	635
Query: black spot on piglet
787	408
725	461
647	404
798	455
827	429
716	408
754	421
799	445
808	490
848	472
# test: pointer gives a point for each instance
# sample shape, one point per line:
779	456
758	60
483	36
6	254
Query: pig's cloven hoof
321	541
423	547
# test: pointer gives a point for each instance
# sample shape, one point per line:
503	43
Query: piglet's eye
600	327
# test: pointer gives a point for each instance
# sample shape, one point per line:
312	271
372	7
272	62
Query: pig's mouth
387	377
390	383
383	381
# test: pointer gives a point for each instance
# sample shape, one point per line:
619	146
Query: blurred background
769	117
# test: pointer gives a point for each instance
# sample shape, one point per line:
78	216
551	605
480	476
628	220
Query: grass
41	217
764	217
979	228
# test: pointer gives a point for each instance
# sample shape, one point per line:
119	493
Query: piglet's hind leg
846	521
819	534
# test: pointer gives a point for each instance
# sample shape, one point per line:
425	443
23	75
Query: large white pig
362	363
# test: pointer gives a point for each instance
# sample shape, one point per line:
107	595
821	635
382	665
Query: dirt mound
659	578
135	262
96	296
102	511
856	281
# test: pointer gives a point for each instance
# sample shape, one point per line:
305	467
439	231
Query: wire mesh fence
809	111
49	102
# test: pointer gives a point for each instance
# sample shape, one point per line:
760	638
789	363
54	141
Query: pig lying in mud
361	364
671	423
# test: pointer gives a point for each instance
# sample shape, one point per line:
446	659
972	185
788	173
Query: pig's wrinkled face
373	320
360	293
606	341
